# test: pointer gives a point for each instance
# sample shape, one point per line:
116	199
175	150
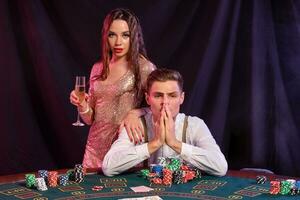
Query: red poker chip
97	188
152	174
157	180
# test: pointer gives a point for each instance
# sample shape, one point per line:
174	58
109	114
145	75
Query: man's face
164	93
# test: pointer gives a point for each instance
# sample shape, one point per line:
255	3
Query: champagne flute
80	93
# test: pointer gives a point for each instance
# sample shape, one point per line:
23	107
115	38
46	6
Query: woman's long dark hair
136	49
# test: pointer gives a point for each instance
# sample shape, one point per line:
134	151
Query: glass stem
78	116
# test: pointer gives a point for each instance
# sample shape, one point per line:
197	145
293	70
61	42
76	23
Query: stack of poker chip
156	180
261	179
167	177
294	186
155	174
188	174
275	187
174	164
79	173
52	178
285	187
43	174
162	161
41	184
297	187
71	175
178	177
63	179
157	169
170	170
145	173
294	191
196	170
30	180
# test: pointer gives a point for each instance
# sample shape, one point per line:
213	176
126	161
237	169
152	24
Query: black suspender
145	128
145	162
185	124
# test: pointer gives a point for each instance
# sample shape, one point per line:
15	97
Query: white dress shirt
200	149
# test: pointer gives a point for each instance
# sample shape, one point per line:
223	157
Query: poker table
235	185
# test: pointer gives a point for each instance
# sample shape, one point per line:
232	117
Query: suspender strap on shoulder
145	162
145	128
185	124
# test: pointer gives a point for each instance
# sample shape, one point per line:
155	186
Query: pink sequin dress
110	104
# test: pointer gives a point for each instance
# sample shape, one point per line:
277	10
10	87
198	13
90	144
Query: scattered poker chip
97	187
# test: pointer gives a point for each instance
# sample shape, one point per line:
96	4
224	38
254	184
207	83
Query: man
169	133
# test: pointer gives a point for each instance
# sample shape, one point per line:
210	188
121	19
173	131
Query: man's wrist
176	145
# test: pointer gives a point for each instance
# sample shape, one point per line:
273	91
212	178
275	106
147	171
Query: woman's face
119	38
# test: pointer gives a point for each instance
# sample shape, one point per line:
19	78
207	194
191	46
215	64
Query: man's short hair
163	75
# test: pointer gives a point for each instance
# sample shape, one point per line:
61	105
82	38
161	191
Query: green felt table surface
118	187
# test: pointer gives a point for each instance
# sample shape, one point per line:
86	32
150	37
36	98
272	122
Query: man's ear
181	98
147	98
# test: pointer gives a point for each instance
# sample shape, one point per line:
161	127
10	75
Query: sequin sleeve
146	68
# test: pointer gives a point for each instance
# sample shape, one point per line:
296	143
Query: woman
116	83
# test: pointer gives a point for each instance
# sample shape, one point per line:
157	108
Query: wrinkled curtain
239	60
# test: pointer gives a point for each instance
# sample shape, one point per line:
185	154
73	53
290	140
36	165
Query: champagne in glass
80	93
